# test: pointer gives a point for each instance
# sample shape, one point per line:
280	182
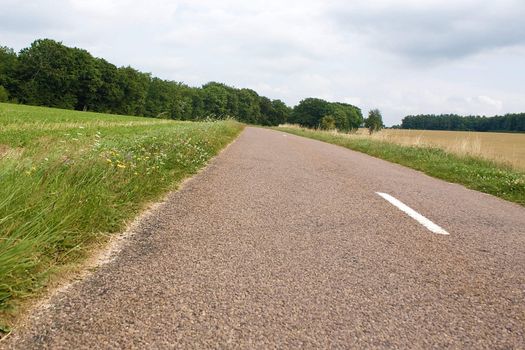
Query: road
283	242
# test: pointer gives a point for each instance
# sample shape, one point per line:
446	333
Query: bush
374	122
327	123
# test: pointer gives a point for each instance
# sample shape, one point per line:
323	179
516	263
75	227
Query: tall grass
69	179
471	171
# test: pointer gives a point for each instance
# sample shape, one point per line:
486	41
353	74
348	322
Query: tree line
508	122
51	74
315	112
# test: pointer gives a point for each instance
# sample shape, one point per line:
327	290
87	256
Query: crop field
70	179
505	148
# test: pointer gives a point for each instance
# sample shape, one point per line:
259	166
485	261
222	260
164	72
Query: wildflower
122	166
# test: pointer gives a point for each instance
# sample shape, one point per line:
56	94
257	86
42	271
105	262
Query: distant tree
508	122
374	122
215	98
197	104
347	117
110	92
159	98
355	118
249	108
340	118
266	109
280	113
87	79
327	122
45	72
181	101
310	111
134	85
232	104
52	74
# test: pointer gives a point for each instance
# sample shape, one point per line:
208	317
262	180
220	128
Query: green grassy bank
475	173
70	179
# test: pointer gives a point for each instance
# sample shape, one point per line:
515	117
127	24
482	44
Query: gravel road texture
282	242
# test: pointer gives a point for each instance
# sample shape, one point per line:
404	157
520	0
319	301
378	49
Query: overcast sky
401	56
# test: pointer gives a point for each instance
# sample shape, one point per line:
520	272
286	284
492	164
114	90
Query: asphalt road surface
283	242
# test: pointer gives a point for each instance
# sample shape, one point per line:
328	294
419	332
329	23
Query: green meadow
71	179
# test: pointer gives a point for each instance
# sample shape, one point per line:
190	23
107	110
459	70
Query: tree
280	113
327	122
347	117
508	122
310	111
249	108
46	76
134	84
8	66
215	98
266	108
355	118
374	122
159	98
340	117
87	79
109	93
232	106
197	104
181	102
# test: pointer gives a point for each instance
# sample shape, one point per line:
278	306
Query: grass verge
472	172
70	179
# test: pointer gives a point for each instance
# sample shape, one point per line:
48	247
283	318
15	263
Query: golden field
501	147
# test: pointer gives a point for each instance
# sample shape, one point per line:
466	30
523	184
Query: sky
400	56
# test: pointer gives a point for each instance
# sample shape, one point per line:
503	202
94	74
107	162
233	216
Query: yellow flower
122	166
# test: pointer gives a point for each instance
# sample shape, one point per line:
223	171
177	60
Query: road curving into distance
284	242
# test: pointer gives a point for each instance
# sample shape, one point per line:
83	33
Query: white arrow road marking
413	214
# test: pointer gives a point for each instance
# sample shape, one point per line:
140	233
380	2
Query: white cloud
496	104
433	30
